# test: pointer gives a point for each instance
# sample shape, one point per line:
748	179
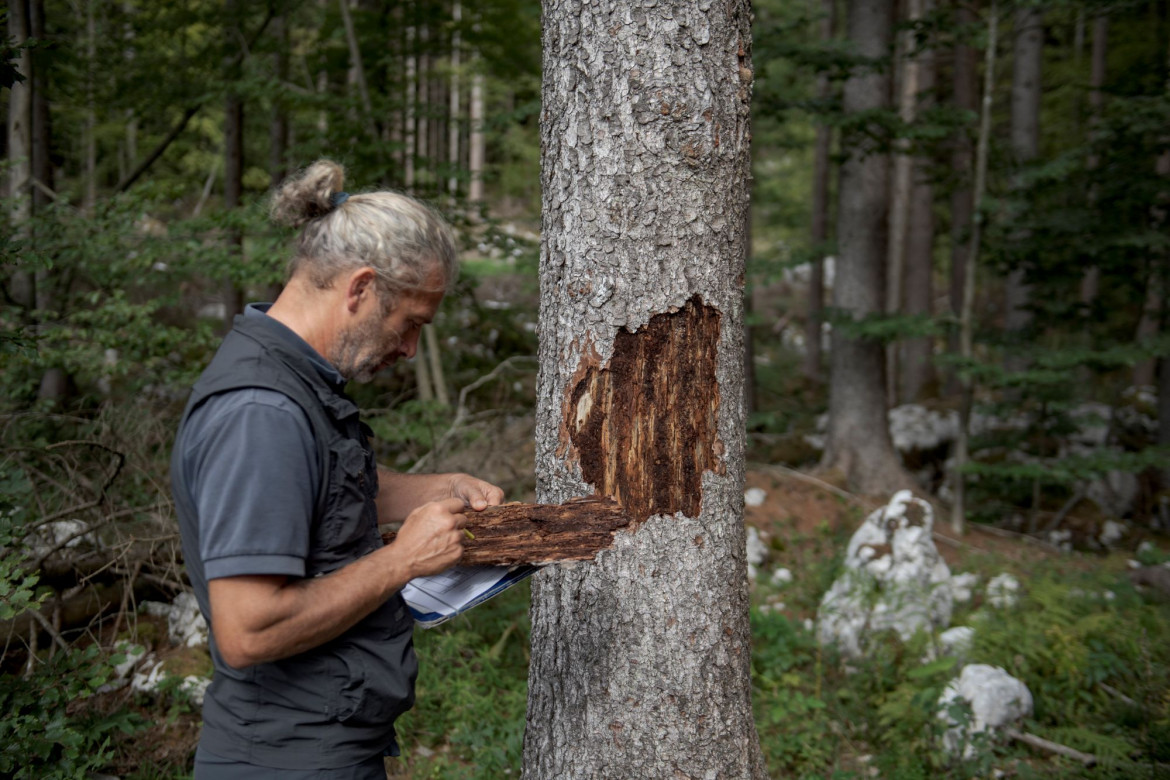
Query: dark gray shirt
236	447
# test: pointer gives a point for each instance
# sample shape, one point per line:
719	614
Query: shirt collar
328	372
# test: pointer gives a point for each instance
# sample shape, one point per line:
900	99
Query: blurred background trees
141	138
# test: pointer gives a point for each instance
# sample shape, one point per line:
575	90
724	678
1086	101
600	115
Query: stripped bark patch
645	426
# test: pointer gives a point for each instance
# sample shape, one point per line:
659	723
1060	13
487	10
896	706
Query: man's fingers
452	505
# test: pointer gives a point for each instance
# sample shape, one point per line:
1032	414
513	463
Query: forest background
1015	320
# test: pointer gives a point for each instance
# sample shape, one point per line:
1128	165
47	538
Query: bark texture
859	438
1025	137
964	97
540	533
640	659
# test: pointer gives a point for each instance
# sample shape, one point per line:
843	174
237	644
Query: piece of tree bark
858	443
540	533
640	660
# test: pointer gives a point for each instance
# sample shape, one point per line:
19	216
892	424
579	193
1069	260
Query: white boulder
996	699
185	623
754	496
757	552
894	579
1003	591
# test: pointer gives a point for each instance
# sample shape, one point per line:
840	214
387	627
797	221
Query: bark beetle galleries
645	426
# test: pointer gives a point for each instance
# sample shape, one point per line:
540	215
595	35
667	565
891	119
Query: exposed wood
540	533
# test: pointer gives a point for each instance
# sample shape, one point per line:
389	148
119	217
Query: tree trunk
901	184
233	159
409	114
476	145
965	86
278	131
1025	141
54	383
641	659
89	199
916	363
858	442
1091	281
20	121
422	169
814	322
453	108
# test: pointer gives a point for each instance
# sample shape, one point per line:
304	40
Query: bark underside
645	426
540	533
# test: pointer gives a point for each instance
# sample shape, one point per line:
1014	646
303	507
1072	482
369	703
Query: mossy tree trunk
641	659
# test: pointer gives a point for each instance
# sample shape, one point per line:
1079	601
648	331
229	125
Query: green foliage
471	693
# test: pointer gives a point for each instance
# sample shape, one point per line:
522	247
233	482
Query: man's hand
431	537
476	493
401	494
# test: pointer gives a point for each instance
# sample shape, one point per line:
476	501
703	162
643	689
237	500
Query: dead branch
1052	747
540	533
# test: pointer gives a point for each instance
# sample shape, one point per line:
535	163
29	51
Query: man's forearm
400	494
274	617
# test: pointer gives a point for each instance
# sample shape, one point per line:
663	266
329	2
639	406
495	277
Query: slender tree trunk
820	215
279	129
422	171
917	354
965	90
1091	280
233	159
900	185
89	200
967	310
20	123
476	142
1025	142
453	107
640	659
858	442
54	383
410	114
435	356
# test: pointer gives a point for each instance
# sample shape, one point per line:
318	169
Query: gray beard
357	356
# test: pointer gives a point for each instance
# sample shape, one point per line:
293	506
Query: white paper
438	598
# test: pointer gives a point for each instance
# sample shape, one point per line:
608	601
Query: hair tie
338	198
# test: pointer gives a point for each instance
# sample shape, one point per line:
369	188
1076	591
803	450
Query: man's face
381	336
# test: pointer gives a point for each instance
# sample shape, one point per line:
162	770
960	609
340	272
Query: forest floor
804	523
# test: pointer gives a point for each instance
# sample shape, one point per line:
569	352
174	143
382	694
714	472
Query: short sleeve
252	466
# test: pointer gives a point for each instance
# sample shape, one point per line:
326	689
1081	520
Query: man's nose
410	345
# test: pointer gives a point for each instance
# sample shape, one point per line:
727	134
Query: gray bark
962	163
820	216
916	364
858	442
1025	137
20	110
640	660
476	151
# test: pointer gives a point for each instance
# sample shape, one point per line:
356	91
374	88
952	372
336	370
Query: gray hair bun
307	195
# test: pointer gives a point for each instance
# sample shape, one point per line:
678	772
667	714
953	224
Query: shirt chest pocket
351	517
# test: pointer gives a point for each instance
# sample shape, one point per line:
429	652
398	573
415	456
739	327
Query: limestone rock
894	579
996	700
185	623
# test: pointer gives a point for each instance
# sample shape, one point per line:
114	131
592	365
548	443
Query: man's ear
360	284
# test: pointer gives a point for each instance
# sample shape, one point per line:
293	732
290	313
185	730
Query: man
279	498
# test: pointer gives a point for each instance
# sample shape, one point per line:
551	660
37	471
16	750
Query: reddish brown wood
540	533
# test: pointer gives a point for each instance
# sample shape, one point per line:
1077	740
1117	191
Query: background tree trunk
453	106
20	121
640	660
964	95
916	364
1091	280
233	156
1025	141
814	322
476	152
858	442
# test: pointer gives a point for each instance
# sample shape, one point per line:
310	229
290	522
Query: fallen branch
1052	747
540	533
